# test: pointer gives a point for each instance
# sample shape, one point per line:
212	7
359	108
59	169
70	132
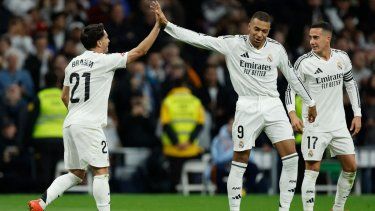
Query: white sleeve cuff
312	103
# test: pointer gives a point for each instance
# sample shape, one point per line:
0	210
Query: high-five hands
160	17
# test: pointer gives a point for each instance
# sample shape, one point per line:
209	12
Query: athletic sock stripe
238	166
44	197
289	156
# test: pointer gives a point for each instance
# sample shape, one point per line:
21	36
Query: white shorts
253	115
314	144
84	146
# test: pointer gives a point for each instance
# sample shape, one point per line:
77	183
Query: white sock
344	186
57	188
308	190
288	180
234	185
101	192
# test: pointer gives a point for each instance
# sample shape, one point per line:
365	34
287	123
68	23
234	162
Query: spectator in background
175	68
154	69
141	124
120	30
13	114
182	119
59	63
38	62
74	34
35	22
369	122
57	34
135	84
360	70
14	163
5	45
19	7
47	138
13	75
100	12
74	11
20	39
213	98
368	174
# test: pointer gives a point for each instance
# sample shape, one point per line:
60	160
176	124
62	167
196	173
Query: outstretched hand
160	17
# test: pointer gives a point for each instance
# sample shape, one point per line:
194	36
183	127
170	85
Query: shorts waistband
256	97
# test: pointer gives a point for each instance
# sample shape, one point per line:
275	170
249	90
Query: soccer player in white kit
252	61
324	71
87	84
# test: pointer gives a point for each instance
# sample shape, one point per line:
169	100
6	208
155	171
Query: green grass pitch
161	202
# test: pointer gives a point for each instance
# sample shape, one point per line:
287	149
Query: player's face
319	40
104	42
258	32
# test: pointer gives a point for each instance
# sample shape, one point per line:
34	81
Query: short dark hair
322	25
263	16
91	34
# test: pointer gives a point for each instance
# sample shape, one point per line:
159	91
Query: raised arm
146	44
199	40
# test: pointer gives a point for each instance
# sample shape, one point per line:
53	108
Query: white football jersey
325	79
89	78
253	72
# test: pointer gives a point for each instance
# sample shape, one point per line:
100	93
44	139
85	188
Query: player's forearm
190	37
354	97
290	98
300	89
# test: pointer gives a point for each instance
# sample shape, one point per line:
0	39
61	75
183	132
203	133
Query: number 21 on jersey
74	77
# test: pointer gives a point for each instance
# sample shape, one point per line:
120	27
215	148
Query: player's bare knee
100	171
78	172
352	167
242	156
312	165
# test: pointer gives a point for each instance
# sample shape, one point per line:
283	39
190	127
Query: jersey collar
254	48
320	58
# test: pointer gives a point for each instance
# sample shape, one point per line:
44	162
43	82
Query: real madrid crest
241	145
310	154
339	65
269	58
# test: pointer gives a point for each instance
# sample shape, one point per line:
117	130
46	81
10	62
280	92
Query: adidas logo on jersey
246	55
318	71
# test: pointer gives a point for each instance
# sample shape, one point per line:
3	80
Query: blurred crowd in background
38	38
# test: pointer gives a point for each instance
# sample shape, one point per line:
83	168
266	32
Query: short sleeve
66	78
116	60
